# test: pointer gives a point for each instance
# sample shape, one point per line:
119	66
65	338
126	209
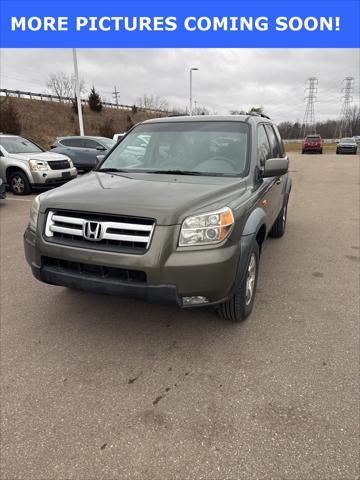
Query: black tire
240	305
19	183
303	152
321	152
337	152
279	227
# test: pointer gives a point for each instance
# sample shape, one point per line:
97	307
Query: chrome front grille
99	232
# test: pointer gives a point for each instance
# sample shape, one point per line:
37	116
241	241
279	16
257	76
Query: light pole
77	93
191	70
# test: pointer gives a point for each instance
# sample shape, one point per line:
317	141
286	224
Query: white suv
24	165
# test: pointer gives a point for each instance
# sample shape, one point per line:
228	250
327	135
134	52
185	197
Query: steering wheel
225	159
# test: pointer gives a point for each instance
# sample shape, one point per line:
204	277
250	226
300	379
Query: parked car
24	165
357	139
2	189
312	143
347	145
83	150
184	223
118	136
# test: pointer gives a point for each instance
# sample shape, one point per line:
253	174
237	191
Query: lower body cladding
187	278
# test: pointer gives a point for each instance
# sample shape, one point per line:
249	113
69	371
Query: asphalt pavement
97	387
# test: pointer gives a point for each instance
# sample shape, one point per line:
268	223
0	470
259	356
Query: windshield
19	145
347	140
107	142
313	138
205	148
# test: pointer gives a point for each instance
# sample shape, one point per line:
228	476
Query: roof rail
256	114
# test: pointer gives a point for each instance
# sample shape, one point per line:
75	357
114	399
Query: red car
312	143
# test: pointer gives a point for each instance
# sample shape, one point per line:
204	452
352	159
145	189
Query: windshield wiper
111	170
175	172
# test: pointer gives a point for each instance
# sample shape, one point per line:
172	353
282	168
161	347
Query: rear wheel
321	151
240	304
278	229
19	183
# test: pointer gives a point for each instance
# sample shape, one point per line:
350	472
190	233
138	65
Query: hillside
43	121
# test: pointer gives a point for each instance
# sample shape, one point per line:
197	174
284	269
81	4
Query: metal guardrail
60	99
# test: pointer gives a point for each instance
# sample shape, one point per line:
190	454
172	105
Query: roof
90	137
210	118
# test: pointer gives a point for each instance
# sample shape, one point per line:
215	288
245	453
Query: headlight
34	212
207	228
38	165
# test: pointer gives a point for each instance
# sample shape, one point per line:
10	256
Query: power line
309	116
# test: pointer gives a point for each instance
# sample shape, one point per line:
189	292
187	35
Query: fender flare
254	221
287	189
253	224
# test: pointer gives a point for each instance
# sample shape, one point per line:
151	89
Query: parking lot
98	387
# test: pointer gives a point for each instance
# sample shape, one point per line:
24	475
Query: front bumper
171	273
53	177
344	150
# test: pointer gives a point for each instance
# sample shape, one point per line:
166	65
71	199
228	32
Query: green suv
176	212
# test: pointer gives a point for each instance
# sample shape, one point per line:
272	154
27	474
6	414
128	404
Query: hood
45	156
166	198
347	144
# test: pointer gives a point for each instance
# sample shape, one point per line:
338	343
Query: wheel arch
15	168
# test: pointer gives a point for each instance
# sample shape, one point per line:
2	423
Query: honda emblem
93	231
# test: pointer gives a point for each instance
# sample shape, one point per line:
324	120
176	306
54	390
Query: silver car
24	165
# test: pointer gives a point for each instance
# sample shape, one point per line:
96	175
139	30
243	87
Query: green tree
94	101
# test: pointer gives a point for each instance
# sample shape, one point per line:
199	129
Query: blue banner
193	24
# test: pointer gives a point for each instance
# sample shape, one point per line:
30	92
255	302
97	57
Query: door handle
278	181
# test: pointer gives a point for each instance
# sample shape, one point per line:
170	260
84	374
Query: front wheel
240	304
278	229
19	183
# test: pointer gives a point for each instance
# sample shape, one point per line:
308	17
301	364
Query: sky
228	79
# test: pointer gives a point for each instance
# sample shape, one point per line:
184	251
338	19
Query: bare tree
354	120
63	85
151	102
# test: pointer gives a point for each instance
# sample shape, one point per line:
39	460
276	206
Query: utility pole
116	94
77	93
309	124
193	69
344	125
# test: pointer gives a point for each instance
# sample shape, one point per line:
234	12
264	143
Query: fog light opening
196	300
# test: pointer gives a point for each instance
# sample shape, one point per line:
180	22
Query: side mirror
99	159
275	167
100	148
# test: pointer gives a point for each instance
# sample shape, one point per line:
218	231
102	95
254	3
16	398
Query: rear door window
72	142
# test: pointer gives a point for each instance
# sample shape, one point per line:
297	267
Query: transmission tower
344	125
311	88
